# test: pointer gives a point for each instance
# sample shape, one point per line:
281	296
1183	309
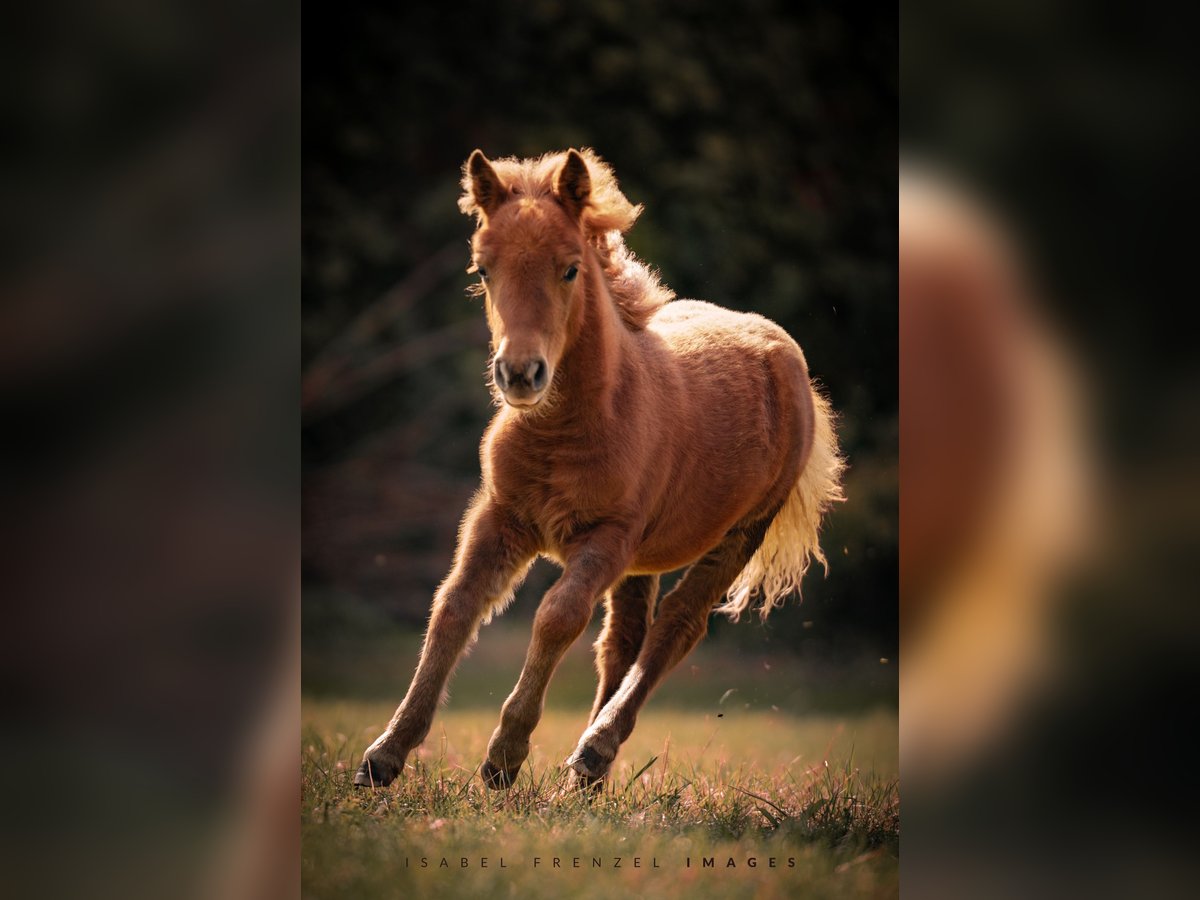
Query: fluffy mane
635	287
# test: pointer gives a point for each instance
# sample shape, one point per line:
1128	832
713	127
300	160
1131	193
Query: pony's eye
570	274
482	272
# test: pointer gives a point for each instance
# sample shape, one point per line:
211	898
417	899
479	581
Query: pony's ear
483	189
573	184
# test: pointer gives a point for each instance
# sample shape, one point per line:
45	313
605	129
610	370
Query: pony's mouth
523	402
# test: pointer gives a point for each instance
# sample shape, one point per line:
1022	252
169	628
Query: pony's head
537	220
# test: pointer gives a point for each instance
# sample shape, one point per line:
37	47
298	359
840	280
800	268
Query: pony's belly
665	553
651	564
682	532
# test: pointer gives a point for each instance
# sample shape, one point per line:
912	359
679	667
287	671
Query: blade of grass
782	812
640	771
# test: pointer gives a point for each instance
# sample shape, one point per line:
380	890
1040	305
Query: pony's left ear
573	184
483	191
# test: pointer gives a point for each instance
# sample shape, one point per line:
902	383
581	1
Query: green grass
815	793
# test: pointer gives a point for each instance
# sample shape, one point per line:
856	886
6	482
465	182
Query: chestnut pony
634	436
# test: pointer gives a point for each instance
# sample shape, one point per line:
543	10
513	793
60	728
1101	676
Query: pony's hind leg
561	618
492	556
681	622
629	609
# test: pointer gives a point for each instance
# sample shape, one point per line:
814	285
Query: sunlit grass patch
771	801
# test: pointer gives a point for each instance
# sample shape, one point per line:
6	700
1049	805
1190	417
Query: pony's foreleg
681	622
493	553
629	610
590	568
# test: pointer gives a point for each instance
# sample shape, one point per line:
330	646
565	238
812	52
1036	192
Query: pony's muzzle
522	383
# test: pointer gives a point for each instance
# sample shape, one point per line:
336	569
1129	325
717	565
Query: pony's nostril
521	378
536	373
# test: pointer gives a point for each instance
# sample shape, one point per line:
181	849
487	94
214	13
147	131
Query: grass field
736	795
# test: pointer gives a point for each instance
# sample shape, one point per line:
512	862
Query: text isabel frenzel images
598	862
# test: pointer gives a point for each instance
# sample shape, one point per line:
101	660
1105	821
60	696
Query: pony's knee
453	614
561	619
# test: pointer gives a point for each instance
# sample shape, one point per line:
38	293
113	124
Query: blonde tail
791	542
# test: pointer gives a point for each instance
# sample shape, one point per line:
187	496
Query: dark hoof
375	774
588	765
496	778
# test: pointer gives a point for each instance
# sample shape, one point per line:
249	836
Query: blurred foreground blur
997	475
148	491
1049	385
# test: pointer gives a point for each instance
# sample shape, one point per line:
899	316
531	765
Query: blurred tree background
761	138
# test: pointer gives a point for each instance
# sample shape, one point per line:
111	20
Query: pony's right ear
573	183
483	190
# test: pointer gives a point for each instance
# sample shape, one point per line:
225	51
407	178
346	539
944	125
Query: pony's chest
560	486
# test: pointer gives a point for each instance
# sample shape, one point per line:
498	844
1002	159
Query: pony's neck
591	369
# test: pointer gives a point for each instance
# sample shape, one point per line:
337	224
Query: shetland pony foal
635	436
